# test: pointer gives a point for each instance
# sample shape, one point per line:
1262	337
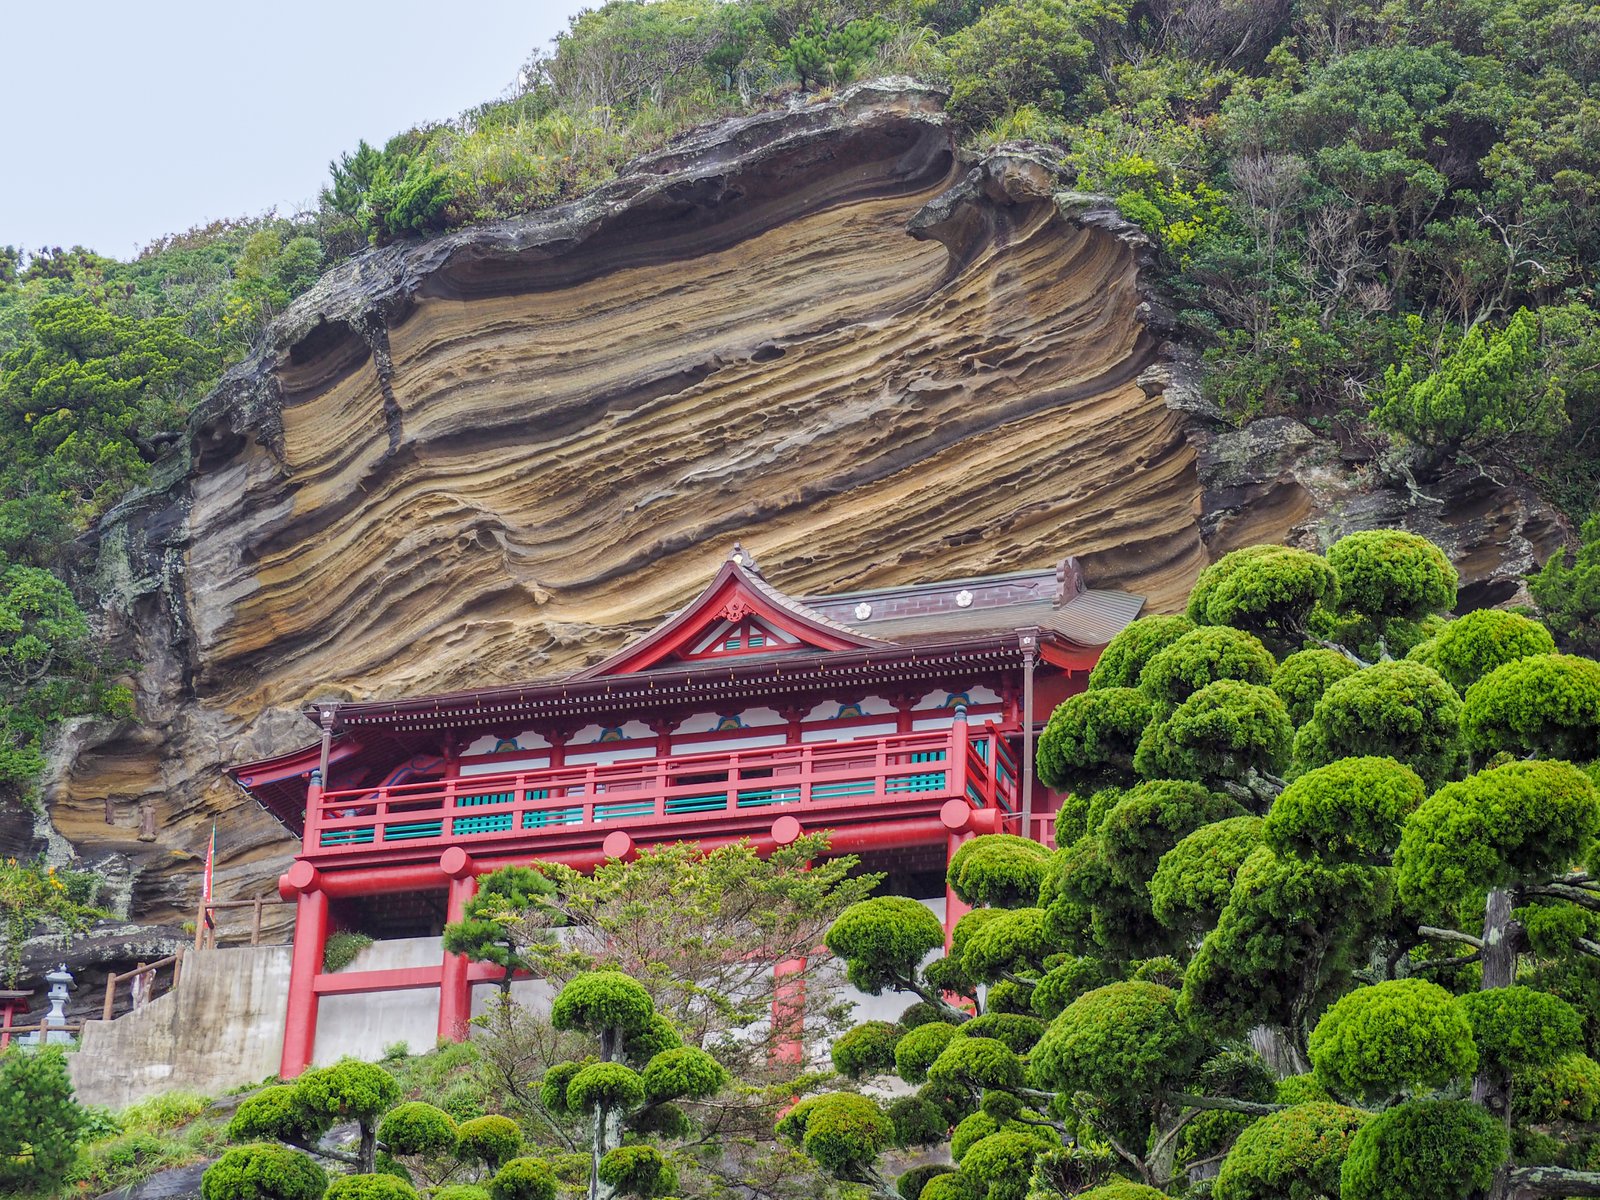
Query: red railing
661	792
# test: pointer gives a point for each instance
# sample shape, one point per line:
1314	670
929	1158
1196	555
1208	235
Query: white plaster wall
361	1026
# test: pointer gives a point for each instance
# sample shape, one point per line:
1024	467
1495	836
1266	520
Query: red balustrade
651	796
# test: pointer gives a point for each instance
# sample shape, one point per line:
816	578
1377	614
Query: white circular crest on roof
863	611
963	599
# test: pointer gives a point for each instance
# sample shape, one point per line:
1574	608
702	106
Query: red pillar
788	1011
954	907
310	940
455	990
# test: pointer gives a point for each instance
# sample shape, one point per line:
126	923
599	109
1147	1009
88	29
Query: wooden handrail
201	938
175	961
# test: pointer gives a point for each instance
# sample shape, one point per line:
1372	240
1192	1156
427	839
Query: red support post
954	907
310	940
788	1011
455	988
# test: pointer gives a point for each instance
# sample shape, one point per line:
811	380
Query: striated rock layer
495	455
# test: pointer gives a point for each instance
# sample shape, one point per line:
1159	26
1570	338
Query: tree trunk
369	1147
1490	1088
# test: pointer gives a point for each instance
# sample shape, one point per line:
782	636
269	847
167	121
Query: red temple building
900	720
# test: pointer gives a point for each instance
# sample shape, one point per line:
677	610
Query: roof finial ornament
746	560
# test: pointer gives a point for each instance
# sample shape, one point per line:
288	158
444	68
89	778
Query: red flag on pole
211	857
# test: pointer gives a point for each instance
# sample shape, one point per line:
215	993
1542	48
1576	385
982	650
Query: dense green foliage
263	1172
1409	914
39	1120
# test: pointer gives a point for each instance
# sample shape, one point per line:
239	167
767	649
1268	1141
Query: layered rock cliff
494	455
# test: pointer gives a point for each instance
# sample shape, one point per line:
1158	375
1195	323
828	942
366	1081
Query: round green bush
1424	1150
883	940
1304	676
1150	820
1565	1090
603	1083
1004	1162
601	1000
909	1185
459	1191
553	1087
998	870
868	1049
491	1140
1518	1029
925	1013
263	1172
1123	660
1548	706
1192	881
1081	814
1013	995
1398	710
1208	654
658	1034
1295	1154
1301	1089
369	1187
1121	1040
1123	1189
277	1114
1226	730
347	1090
1470	647
844	1132
638	1171
683	1073
979	1062
1493	829
1386	573
1017	1030
418	1128
951	1185
523	1179
1090	739
1351	810
1064	983
970	1132
1266	589
917	1050
1391	1037
917	1122
1008	943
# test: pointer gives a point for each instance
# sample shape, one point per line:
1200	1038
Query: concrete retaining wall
222	1026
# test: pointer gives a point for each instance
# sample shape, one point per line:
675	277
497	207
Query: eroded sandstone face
496	455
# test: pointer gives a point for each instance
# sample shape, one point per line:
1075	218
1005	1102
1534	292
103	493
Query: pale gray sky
122	121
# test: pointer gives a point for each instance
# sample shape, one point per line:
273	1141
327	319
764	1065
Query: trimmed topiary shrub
369	1187
1518	1029
1296	1154
868	1049
683	1073
657	1035
459	1191
1205	656
1391	1037
491	1140
1548	706
1386	573
1351	810
523	1179
638	1171
1494	828
1125	656
553	1087
1470	647
1123	1189
1266	589
263	1172
998	870
1064	983
950	1186
1124	1039
1090	739
602	1083
1304	676
916	1121
1151	820
1017	1030
418	1128
917	1050
348	1090
979	1062
842	1131
923	1013
1003	1162
1398	710
883	941
276	1113
1424	1150
1225	730
601	1000
1565	1090
909	1185
1301	1089
1193	880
